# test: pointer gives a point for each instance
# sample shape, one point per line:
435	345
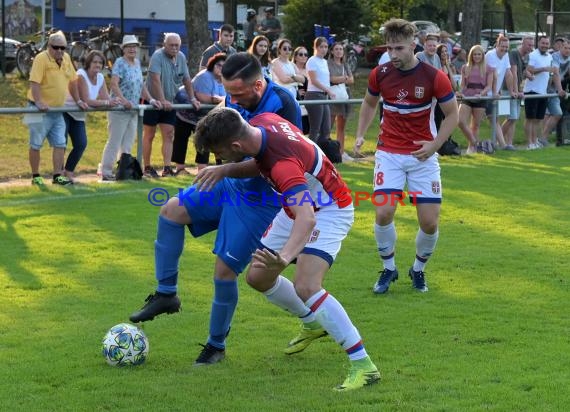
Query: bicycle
27	51
103	42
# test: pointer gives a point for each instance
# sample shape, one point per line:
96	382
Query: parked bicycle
102	42
27	51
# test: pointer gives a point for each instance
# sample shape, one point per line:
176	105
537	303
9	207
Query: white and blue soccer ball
125	345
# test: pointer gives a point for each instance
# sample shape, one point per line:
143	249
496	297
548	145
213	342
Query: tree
197	30
340	15
471	23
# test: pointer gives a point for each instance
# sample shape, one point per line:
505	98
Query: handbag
339	90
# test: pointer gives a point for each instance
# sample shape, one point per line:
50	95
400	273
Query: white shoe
533	146
347	158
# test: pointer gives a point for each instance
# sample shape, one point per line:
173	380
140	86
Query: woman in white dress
283	70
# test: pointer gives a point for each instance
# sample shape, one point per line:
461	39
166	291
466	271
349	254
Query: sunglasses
62	48
302	54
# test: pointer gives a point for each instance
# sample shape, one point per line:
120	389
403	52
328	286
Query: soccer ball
125	345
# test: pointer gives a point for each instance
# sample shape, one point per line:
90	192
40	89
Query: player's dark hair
218	128
242	66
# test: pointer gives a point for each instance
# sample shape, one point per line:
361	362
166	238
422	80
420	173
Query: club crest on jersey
419	92
402	94
435	188
314	236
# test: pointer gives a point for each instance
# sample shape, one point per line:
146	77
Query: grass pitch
491	334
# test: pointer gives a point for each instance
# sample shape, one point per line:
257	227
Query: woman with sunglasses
300	57
283	70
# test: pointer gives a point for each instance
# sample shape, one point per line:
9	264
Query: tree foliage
341	16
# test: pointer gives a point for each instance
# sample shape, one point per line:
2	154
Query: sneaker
108	178
543	141
509	147
360	376
61	180
181	172
304	339
358	155
149	171
418	280
167	172
533	146
155	305
347	158
39	181
209	355
386	277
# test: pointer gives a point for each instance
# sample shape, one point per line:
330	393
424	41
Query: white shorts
392	172
333	224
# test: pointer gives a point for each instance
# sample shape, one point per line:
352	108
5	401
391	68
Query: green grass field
491	334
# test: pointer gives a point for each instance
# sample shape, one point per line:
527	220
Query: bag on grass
331	148
450	148
128	168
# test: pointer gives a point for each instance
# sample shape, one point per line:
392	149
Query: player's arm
211	175
448	125
305	221
367	113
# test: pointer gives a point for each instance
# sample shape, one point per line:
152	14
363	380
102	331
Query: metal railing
141	108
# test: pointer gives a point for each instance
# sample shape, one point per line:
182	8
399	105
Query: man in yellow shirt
51	73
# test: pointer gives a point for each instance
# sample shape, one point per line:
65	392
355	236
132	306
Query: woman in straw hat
128	86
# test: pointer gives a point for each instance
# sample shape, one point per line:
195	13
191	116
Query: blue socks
223	308
168	247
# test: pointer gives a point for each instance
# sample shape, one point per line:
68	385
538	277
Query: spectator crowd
520	73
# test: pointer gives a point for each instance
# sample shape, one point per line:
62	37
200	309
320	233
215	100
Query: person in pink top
476	81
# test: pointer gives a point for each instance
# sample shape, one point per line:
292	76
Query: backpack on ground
449	148
128	168
331	148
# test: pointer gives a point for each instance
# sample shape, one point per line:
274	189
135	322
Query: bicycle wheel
24	59
112	54
78	53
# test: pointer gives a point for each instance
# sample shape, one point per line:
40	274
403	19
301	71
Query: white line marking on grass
40	200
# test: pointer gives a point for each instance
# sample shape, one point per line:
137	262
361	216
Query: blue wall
152	28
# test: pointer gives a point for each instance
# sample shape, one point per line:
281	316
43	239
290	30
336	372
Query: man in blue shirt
239	209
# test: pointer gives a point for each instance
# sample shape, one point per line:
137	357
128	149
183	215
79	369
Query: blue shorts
240	224
553	107
50	125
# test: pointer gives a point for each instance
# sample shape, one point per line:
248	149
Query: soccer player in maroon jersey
316	217
407	145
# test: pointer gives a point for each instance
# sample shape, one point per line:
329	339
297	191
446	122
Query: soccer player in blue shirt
240	226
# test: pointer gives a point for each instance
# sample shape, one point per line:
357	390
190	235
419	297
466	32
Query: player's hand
265	259
208	177
427	149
